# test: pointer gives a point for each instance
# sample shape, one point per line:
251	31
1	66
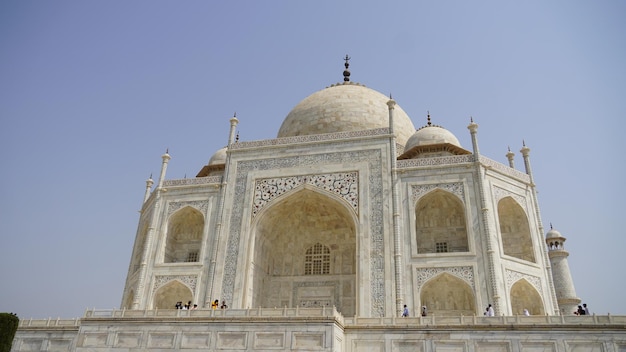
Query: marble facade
316	240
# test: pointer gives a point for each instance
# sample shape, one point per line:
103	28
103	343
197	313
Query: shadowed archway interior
305	254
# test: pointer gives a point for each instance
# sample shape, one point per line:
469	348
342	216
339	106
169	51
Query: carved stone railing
488	163
45	323
331	313
193	181
461	159
521	320
315	312
309	138
440	160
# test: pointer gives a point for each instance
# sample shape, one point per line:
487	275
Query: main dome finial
346	73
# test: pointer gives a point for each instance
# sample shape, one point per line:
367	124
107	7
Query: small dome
345	107
553	234
219	158
431	135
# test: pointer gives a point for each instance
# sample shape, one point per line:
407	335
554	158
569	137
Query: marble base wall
288	330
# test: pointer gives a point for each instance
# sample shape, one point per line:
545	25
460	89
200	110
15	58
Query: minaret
561	275
149	183
233	127
166	158
494	287
510	155
526	155
391	104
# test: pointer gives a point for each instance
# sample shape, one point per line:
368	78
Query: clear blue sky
93	92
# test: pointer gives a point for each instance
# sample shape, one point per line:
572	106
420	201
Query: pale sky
92	93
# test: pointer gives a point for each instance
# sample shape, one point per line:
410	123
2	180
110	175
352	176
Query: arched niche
167	295
525	296
440	223
514	230
447	295
306	225
184	236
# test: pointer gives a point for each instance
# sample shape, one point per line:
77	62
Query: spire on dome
346	72
428	119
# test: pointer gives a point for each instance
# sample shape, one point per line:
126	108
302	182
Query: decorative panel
373	158
513	276
189	280
456	188
465	273
343	184
232	340
200	205
196	340
269	340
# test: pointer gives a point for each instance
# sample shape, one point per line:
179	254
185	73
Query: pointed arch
304	224
525	296
515	230
440	223
170	293
184	236
447	295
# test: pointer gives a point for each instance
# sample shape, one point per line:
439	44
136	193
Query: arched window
317	260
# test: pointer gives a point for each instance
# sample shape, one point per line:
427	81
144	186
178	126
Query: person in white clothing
490	312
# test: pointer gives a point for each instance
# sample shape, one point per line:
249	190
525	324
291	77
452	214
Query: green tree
8	327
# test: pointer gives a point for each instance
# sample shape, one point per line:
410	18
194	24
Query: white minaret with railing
561	275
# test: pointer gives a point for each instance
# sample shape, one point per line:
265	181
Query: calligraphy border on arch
200	205
161	280
373	157
456	188
343	184
514	276
465	273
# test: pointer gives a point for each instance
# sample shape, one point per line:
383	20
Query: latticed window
317	260
441	247
192	257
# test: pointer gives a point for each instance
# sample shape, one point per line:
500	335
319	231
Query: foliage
8	327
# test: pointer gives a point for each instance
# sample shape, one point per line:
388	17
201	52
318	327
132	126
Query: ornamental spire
346	72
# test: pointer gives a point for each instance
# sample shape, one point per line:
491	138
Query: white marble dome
345	107
553	234
429	135
219	158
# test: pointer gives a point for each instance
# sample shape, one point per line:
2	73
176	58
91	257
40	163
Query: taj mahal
317	239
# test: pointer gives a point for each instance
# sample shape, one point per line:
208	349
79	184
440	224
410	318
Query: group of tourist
187	306
489	312
582	310
216	304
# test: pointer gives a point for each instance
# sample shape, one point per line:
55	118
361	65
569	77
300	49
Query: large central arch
305	253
